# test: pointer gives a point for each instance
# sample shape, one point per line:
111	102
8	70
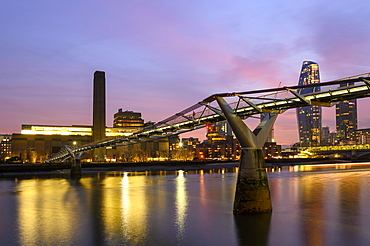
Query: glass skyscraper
346	119
309	117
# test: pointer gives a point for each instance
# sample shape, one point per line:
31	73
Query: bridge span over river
252	191
244	104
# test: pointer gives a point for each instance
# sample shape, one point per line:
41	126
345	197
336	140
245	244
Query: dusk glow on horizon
163	56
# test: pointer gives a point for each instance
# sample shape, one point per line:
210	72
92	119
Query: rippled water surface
322	207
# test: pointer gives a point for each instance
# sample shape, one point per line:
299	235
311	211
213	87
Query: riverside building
36	143
5	146
309	117
346	120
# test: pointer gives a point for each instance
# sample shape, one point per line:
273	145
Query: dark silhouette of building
99	115
325	135
309	117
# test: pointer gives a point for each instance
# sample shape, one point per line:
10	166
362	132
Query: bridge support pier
252	193
76	168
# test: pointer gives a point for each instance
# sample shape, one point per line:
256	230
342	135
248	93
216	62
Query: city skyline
162	57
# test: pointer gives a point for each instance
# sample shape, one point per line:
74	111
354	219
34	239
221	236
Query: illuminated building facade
129	120
220	143
38	142
190	143
228	149
154	150
346	120
360	136
309	117
74	130
271	150
5	146
218	132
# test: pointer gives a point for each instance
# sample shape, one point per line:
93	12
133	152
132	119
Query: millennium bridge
252	193
244	105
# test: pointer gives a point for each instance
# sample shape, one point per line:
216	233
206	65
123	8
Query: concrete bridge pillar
76	168
252	193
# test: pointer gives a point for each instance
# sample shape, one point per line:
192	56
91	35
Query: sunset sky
162	56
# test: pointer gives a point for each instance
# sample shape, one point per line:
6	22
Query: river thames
322	205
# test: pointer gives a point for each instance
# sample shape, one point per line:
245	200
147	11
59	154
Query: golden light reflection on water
317	167
50	210
313	198
333	166
45	210
118	201
324	203
181	204
133	210
124	211
122	208
133	205
202	188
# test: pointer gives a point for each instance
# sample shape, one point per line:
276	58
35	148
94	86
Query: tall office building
309	117
325	135
346	119
99	121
